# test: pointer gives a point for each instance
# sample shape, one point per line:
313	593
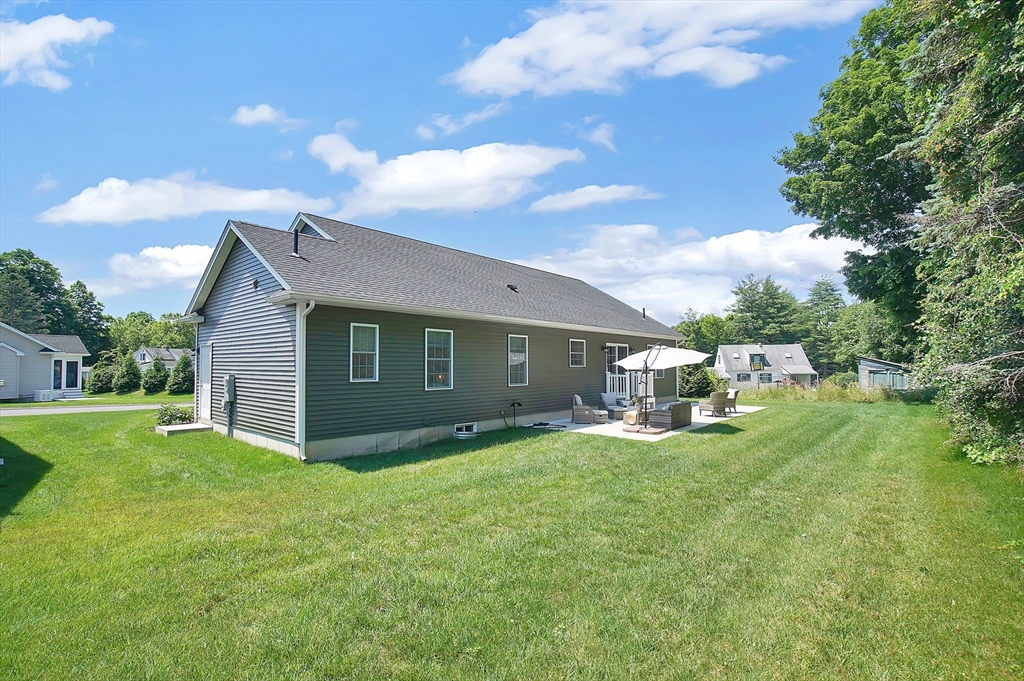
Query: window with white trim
577	352
363	352
439	351
743	378
518	360
764	378
658	373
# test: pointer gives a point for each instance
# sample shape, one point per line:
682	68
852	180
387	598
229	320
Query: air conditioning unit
44	396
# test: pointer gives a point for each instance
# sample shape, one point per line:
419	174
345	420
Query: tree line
833	333
34	299
918	152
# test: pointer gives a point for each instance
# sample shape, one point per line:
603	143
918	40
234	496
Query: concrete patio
614	428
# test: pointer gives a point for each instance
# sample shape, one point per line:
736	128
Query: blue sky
627	144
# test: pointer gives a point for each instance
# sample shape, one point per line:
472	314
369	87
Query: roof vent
789	355
513	288
735	355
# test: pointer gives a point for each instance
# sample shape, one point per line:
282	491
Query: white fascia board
217	260
24	335
13	349
303	219
292	297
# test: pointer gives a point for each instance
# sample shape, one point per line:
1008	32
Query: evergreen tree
764	312
90	324
824	304
20	306
128	377
101	380
155	378
182	378
45	281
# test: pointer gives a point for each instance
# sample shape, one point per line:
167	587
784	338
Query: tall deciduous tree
704	331
764	312
850	171
90	324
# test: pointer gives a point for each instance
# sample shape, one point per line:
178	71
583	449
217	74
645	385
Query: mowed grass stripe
522	556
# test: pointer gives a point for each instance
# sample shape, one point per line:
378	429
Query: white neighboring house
144	357
753	366
31	362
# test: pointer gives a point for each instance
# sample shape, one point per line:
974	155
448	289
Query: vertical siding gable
398	400
255	341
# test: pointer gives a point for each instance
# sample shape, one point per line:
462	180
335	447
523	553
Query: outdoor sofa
671	416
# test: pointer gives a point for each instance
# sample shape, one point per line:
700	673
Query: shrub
128	378
155	378
842	380
101	380
169	415
697	380
182	378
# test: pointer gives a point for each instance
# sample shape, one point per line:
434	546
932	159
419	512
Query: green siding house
329	340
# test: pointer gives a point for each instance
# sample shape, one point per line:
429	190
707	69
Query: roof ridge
447	248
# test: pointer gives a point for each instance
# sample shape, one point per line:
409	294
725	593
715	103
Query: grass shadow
370	463
20	473
718	429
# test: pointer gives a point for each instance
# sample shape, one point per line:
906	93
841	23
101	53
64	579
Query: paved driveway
42	411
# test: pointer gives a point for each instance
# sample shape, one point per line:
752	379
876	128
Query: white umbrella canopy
661	357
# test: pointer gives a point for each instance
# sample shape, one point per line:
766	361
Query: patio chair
730	400
715	404
581	413
671	416
615	405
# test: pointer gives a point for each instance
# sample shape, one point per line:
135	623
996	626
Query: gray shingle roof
775	356
72	345
376	267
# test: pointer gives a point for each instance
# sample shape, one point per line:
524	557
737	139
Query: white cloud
449	126
45	183
264	114
596	46
118	202
155	266
482	177
602	135
31	52
591	195
667	275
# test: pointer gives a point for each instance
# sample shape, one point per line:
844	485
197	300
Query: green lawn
138	397
808	540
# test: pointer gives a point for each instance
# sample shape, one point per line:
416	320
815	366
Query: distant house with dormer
754	366
145	357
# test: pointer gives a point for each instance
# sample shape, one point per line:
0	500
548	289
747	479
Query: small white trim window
518	360
577	352
439	349
363	351
743	378
658	373
764	378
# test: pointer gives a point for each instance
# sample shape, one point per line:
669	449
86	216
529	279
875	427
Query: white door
205	381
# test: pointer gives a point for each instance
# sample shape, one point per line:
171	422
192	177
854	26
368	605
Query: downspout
302	310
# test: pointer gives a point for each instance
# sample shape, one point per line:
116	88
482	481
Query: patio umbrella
659	357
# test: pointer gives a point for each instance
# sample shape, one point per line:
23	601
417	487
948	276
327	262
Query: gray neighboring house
145	357
39	361
873	373
753	366
341	340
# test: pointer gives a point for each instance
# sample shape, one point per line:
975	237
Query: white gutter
288	297
302	310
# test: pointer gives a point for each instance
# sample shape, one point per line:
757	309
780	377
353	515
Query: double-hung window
439	352
743	378
518	360
577	352
363	352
